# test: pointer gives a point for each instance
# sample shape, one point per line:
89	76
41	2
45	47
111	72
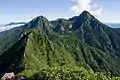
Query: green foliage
66	73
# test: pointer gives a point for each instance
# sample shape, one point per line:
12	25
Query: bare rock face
8	76
12	76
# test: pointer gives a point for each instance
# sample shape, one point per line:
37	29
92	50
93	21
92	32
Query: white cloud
3	28
87	5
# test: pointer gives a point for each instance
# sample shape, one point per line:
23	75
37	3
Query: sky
26	10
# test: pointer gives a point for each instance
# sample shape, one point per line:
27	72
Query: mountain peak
85	14
84	17
15	23
39	18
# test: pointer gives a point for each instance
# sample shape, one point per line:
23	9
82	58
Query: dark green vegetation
117	30
66	73
62	46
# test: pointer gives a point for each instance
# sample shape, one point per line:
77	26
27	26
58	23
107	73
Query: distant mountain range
113	25
79	41
11	25
15	23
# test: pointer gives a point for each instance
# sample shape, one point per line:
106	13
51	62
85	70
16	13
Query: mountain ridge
79	41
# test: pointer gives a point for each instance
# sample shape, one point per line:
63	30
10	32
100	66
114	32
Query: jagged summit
85	13
85	19
39	18
85	16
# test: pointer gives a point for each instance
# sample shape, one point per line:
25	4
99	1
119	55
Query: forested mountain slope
80	41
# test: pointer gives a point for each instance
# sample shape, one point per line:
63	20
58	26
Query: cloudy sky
25	10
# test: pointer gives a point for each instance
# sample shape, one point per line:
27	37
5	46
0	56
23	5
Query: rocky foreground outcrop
12	76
